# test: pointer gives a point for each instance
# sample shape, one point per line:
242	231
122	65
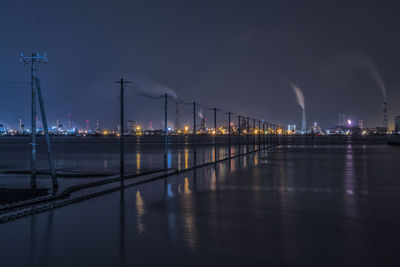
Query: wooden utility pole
47	135
194	135
229	135
215	136
166	131
122	82
247	134
258	133
239	135
34	59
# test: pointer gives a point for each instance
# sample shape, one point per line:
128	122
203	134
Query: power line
79	98
13	82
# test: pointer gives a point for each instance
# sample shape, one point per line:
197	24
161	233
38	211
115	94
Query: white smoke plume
153	87
200	113
299	95
363	61
376	76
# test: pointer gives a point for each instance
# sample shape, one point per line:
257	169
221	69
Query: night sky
236	55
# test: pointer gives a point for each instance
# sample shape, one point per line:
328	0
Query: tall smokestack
304	122
385	125
177	122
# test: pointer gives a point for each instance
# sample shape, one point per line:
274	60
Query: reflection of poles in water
33	240
188	215
254	134
194	180
140	210
229	136
194	136
239	135
263	135
247	134
47	238
122	228
219	210
165	130
258	133
216	133
216	176
171	215
165	185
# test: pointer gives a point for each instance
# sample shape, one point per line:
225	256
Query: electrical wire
80	98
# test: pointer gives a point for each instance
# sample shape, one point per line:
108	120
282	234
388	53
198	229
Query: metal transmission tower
122	82
35	59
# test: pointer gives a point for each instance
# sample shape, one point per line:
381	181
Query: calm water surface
297	205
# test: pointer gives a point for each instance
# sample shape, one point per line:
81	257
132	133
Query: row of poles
36	91
273	138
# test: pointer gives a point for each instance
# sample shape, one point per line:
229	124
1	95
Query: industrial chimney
304	122
177	122
385	125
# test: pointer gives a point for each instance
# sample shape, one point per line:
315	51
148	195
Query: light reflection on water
138	157
186	158
140	211
240	208
179	161
169	159
187	190
189	220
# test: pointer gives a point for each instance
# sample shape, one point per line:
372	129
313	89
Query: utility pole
239	135
69	123
254	134
259	132
122	82
34	60
263	134
165	131
215	136
177	119
247	134
194	135
229	134
46	132
273	134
